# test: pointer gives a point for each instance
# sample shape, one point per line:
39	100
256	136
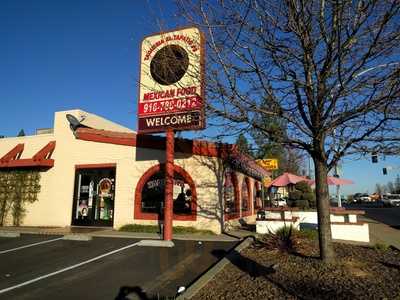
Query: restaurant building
94	172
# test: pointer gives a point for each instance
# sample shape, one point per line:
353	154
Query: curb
94	234
9	234
211	273
77	237
155	243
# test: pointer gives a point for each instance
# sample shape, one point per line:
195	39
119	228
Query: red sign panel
171	93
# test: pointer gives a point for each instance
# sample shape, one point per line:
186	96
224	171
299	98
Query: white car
362	198
279	202
391	200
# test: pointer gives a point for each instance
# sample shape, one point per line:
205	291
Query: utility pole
338	186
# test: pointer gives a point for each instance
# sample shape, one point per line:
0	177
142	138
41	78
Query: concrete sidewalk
107	232
382	233
379	233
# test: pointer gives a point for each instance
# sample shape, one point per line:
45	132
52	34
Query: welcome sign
171	92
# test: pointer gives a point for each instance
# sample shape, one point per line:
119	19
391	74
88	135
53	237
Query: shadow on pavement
245	264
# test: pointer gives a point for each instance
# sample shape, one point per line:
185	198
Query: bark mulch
257	272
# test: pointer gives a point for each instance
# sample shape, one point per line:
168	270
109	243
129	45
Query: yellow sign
266	181
269	164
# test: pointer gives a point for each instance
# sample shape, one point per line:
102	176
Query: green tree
242	144
21	133
289	159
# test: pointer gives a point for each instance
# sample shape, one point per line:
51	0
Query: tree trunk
326	251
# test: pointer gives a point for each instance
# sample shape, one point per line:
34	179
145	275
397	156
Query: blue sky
59	55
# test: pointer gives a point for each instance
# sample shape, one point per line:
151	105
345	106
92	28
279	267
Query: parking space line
30	245
66	269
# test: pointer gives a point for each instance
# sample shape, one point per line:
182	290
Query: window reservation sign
171	90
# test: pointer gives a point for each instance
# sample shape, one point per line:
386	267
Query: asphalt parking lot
386	215
48	267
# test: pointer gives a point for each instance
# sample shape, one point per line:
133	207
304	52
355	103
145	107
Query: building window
94	195
149	196
153	194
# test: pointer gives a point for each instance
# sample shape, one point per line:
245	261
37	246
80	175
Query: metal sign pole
169	185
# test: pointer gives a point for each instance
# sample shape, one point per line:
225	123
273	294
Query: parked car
359	198
391	200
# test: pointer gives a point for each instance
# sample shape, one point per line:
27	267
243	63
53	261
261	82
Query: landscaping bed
264	272
156	229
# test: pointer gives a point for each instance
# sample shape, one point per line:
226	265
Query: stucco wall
54	207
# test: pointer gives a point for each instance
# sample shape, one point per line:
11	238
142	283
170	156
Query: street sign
171	90
269	164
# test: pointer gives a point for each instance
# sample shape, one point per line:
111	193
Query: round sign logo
169	64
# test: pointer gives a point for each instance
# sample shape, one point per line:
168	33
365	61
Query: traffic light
374	158
384	170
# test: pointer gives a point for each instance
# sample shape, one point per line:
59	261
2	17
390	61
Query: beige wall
54	207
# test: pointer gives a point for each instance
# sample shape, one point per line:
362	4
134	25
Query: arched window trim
139	215
257	188
249	212
236	190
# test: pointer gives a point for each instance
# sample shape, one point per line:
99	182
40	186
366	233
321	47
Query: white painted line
65	269
30	245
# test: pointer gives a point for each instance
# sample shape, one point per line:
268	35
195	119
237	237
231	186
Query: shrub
310	197
302	204
284	239
291	203
303	187
295	195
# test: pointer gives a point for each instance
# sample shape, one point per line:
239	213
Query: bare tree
328	69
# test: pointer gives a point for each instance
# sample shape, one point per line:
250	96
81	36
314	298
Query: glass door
93	203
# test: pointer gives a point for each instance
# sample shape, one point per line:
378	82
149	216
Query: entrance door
93	203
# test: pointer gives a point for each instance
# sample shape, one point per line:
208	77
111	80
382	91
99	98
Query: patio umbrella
286	179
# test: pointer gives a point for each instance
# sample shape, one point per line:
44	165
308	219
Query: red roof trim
104	136
193	147
41	159
14	153
29	162
96	166
46	152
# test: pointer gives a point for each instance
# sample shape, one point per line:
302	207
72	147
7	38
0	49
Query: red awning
42	159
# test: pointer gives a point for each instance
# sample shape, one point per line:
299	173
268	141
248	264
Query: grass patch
186	230
381	247
308	233
140	228
156	229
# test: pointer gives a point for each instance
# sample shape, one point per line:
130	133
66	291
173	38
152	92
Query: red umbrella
286	179
336	181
